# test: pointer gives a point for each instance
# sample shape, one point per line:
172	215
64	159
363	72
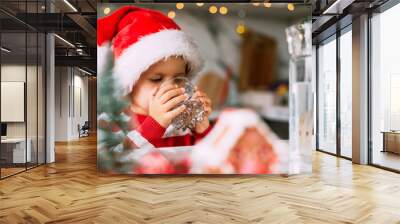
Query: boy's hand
163	102
205	123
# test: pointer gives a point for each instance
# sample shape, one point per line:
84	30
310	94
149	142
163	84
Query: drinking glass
194	111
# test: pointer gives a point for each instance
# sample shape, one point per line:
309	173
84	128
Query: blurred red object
154	163
252	154
183	166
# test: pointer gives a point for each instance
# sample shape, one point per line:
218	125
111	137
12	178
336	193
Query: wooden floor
10	171
71	191
387	159
5	172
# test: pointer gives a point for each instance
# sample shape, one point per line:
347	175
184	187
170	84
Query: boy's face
152	78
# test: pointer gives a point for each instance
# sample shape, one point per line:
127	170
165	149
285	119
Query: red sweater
147	132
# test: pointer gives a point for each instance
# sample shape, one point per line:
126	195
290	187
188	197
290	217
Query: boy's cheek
142	100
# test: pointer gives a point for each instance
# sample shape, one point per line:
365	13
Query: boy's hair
188	68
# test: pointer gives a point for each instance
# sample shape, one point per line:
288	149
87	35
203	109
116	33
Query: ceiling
333	15
72	20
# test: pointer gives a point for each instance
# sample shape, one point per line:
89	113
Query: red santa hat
139	38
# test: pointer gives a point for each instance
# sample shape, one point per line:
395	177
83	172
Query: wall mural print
185	89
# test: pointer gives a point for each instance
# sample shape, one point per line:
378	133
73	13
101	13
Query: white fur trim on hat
150	49
103	54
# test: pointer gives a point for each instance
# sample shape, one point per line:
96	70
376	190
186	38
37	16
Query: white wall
33	127
62	85
68	83
12	73
80	84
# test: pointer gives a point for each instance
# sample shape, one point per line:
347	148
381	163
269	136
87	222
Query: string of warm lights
180	5
267	5
240	28
290	7
106	10
223	10
171	14
213	9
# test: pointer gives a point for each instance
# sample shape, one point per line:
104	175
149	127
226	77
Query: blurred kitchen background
245	51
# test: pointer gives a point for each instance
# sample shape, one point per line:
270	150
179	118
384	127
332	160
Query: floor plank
71	191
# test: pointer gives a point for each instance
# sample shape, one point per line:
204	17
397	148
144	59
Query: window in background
346	93
327	96
394	102
41	96
385	89
15	149
23	88
31	99
314	70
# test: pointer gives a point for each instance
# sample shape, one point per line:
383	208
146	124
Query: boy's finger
207	106
207	101
171	94
175	112
199	93
203	99
174	102
165	88
207	111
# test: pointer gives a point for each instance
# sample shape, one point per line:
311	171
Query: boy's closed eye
160	78
156	78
